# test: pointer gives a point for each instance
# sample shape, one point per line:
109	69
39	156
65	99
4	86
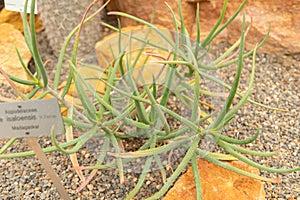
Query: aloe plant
144	103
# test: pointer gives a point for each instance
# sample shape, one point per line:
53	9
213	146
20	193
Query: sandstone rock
218	184
108	49
284	16
92	77
9	62
162	15
15	19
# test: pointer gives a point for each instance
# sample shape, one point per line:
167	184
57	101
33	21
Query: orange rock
14	18
284	16
9	62
107	50
162	15
92	77
218	184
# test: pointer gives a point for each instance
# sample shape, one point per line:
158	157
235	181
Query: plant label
18	5
30	118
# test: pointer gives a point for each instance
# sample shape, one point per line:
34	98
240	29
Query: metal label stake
32	142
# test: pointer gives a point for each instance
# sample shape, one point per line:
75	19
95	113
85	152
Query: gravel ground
277	84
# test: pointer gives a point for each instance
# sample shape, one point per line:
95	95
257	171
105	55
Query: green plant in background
96	114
